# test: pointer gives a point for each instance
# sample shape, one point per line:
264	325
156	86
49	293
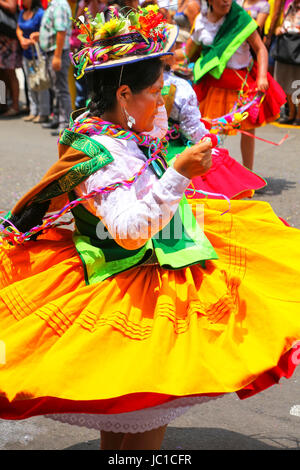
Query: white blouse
132	214
204	33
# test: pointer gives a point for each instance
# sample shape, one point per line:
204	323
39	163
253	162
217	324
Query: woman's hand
25	43
34	36
279	30
262	84
261	53
195	160
56	63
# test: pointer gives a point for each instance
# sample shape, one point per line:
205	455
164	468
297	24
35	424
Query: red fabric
207	124
284	221
26	408
226	176
233	80
285	368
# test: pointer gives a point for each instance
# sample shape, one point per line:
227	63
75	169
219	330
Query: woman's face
221	7
143	106
27	4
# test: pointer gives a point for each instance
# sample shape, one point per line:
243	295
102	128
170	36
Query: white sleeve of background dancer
189	118
130	218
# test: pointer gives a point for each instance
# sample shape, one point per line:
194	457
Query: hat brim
173	33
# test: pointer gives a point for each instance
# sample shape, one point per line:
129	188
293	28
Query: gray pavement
270	420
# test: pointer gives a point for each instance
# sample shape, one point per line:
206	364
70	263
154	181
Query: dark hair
35	5
103	83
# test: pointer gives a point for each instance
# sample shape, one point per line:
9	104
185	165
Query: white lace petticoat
134	421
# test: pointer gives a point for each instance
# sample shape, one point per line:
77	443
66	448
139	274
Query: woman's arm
132	220
261	52
278	6
25	42
9	5
191	11
35	36
261	19
192	51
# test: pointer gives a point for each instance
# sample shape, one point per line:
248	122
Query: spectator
186	13
10	60
94	6
55	33
127	5
285	73
258	9
272	22
29	22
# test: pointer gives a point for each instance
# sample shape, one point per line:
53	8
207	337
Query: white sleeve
189	118
265	8
131	218
185	109
198	29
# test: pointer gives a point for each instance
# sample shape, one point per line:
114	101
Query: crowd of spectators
49	26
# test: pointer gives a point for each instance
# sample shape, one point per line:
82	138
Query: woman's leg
44	103
12	84
292	108
149	440
32	96
247	149
111	440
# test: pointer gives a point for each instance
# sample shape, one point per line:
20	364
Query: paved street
270	420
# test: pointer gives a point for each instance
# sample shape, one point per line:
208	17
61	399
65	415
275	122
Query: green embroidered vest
180	244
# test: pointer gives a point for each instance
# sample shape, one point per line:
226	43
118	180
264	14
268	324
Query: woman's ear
123	95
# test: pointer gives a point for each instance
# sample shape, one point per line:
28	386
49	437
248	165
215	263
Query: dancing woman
142	311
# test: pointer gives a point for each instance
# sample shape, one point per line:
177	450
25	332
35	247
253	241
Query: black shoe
55	133
286	120
50	125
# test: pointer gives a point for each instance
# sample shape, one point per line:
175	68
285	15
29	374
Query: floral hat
138	35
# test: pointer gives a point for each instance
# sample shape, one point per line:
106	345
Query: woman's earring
130	119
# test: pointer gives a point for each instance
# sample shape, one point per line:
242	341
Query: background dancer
224	73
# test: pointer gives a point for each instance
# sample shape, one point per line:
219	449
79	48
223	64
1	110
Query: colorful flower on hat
111	28
148	23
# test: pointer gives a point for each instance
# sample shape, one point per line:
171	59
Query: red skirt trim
26	408
226	176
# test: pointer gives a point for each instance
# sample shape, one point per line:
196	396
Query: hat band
122	39
103	50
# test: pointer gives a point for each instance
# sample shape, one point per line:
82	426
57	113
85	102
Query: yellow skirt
149	335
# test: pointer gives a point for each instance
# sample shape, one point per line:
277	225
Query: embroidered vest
180	244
